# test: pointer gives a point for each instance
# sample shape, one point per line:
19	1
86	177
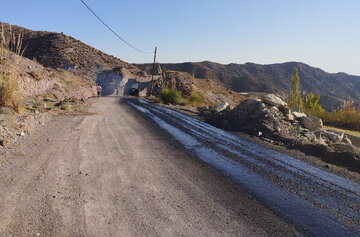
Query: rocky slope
34	79
275	78
57	50
41	91
269	117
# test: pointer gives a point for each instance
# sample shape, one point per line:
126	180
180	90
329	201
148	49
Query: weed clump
9	91
196	99
65	106
170	96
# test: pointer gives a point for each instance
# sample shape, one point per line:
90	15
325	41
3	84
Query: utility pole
152	72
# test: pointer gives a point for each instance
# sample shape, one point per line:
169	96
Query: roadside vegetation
9	86
9	91
347	116
175	97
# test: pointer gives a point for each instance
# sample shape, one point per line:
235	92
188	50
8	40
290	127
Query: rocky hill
275	78
57	50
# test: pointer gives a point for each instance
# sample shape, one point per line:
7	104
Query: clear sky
322	33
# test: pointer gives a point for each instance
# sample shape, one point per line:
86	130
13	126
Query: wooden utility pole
152	72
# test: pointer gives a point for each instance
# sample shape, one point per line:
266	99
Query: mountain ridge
274	78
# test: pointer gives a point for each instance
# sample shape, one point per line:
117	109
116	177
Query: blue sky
322	33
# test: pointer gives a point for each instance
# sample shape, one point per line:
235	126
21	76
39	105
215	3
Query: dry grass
35	75
347	116
354	133
12	40
9	91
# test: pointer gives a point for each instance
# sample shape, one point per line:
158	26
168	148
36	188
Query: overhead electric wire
106	25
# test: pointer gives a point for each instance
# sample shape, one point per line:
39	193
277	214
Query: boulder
311	136
342	147
220	107
250	105
320	141
318	134
298	114
311	122
289	117
273	100
285	110
333	136
346	140
354	140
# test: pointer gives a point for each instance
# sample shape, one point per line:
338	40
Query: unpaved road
115	173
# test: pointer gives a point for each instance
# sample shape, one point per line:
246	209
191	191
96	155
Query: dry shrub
9	91
347	116
12	40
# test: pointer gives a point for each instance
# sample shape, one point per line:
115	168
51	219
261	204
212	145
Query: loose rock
273	100
342	147
311	122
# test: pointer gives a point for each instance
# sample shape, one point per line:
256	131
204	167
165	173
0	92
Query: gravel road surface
321	203
121	172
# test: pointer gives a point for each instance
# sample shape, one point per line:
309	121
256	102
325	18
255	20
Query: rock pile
270	117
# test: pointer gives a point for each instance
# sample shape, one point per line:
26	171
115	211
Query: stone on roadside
273	100
311	136
298	114
312	123
250	105
342	147
320	141
317	134
333	136
346	140
285	110
289	117
220	107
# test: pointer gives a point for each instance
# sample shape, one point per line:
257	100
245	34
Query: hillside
213	93
274	78
57	50
34	80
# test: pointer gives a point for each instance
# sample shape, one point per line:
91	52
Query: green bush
346	117
196	99
311	103
170	96
65	106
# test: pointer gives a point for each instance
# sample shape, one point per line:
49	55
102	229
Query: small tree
295	96
311	102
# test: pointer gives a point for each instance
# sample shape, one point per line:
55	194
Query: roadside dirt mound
270	119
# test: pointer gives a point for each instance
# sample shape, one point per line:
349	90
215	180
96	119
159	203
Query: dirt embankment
41	91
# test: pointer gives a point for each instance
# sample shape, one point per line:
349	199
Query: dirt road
115	173
320	202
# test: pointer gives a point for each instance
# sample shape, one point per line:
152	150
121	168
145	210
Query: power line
112	29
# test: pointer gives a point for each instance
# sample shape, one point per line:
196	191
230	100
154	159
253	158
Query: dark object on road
134	90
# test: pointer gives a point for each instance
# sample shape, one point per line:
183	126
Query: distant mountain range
333	87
